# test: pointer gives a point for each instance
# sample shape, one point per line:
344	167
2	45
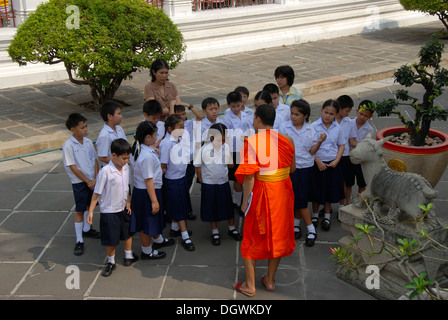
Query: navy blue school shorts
347	168
83	195
114	227
356	172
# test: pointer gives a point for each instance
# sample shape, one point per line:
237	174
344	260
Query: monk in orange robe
267	160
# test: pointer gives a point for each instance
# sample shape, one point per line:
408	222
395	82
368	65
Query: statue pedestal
391	267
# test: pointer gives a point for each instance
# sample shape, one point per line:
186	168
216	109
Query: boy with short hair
112	193
152	112
210	108
188	134
346	105
282	111
238	127
111	113
362	128
79	158
245	96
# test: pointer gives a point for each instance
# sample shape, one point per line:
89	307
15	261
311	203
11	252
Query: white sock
237	197
86	227
311	229
185	236
296	222
231	228
215	231
78	232
111	259
128	254
315	215
327	216
147	250
174	226
158	240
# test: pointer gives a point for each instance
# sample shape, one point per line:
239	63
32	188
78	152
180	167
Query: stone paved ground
36	226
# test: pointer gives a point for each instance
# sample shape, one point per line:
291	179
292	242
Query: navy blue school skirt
142	218
302	182
328	185
216	202
177	198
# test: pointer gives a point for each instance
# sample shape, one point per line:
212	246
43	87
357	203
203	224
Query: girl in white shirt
146	201
174	159
211	169
328	183
306	144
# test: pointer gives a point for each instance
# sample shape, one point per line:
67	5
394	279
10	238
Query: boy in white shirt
113	196
111	114
361	128
346	105
79	158
282	111
237	125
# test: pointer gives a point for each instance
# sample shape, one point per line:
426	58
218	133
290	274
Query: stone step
218	32
275	25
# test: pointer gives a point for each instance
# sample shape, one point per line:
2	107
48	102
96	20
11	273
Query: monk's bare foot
243	288
270	286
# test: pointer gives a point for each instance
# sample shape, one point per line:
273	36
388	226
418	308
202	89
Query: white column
22	8
177	8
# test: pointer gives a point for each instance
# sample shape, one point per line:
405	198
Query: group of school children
167	153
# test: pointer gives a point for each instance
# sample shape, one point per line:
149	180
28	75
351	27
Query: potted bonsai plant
424	152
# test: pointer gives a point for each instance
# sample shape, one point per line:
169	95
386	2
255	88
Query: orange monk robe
269	223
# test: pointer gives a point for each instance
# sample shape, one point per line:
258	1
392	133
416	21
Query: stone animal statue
404	191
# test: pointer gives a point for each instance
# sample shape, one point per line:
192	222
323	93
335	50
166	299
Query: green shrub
114	39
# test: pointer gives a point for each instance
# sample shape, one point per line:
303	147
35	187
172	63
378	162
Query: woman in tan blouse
161	89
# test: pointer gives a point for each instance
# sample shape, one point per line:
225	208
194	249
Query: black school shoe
235	235
216	240
151	256
92	233
79	248
108	268
188	246
309	242
128	262
166	243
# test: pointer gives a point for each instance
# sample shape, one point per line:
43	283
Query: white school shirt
213	163
362	132
105	138
188	135
248	111
82	155
160	129
240	128
329	148
205	125
113	188
147	166
282	114
176	155
348	131
304	140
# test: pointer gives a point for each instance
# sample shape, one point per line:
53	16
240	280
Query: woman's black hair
156	66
